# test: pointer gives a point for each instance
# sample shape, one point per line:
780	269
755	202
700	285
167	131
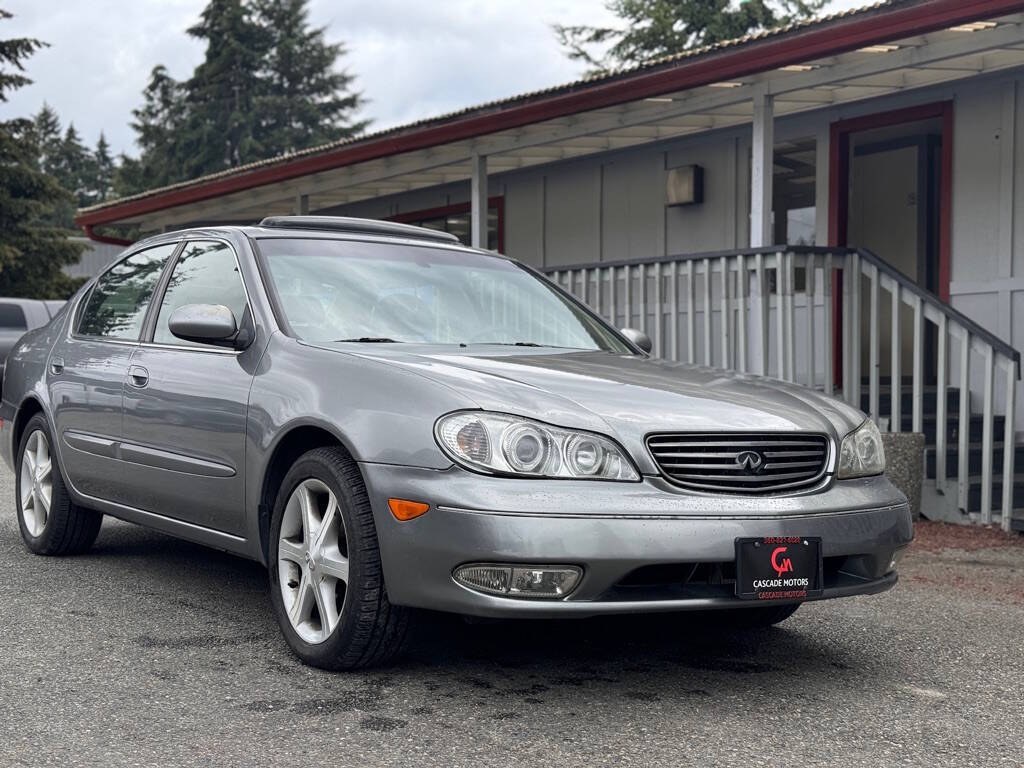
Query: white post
762	164
1009	443
478	202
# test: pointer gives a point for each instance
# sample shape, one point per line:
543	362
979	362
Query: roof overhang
885	49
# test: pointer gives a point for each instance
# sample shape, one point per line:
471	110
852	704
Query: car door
87	368
185	402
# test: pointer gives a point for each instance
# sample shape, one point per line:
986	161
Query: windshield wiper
518	344
371	340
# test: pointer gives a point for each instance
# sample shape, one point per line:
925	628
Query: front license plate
778	568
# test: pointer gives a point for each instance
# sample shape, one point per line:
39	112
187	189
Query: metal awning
888	48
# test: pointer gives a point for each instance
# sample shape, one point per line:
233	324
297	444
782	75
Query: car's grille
741	462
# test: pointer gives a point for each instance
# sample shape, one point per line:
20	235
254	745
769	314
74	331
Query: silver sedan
391	421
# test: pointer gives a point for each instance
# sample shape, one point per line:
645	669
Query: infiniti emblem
751	461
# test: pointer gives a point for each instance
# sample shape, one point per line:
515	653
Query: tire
320	542
61	527
758	618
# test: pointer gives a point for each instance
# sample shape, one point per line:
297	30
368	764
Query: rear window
12	317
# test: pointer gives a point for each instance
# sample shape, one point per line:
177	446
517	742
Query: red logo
786	566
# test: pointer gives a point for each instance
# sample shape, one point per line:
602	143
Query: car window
12	317
340	290
117	304
206	273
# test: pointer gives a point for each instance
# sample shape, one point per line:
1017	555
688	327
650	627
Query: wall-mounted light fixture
686	185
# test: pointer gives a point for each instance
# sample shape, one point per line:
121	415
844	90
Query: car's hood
626	396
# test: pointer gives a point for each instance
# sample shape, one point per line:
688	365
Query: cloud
412	60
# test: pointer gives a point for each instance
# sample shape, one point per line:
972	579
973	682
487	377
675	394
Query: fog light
544	582
537	581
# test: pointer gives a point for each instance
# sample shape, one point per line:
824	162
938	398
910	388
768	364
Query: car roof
326	227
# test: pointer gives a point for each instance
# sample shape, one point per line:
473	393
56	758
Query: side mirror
204	323
639	338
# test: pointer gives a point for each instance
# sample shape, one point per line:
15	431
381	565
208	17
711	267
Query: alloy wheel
312	561
36	483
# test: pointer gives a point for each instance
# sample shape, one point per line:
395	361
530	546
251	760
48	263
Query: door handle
138	376
56	365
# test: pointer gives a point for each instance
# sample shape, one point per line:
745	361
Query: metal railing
778	313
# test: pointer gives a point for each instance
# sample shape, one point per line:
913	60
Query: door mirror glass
639	338
204	324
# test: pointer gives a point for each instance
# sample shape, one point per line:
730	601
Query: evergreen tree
74	167
222	124
655	28
129	176
307	100
157	125
268	85
104	169
46	127
32	251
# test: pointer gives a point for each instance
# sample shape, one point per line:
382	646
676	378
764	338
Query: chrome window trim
210	349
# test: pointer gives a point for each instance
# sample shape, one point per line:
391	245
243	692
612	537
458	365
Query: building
95	257
722	199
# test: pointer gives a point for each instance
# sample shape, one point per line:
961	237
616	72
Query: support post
762	164
301	205
478	202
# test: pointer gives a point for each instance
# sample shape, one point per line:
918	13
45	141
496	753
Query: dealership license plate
778	568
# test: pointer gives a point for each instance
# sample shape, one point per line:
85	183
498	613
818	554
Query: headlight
503	444
861	453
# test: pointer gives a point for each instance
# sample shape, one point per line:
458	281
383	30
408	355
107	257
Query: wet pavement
152	651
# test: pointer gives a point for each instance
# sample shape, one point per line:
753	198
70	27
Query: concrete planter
904	465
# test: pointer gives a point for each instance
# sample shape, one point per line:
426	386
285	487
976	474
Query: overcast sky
412	59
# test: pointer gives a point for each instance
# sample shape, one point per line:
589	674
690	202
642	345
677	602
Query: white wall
611	206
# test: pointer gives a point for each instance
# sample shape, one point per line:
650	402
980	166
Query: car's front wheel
326	580
50	522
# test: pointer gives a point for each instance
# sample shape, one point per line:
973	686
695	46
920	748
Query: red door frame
496	201
839	196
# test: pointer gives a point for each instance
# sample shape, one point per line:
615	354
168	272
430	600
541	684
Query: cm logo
785	565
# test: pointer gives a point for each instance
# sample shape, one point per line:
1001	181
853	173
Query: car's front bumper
611	530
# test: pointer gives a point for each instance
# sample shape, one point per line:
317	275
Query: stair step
974	492
974	454
929	398
952	423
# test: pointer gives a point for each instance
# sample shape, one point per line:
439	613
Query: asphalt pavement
154	652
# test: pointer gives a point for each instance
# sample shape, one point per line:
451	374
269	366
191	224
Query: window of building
117	304
456	219
793	197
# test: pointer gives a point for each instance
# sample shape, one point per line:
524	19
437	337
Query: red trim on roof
757	56
88	229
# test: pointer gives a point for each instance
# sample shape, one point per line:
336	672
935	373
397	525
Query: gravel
153	651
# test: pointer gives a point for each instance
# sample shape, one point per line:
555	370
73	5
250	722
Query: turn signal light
403	509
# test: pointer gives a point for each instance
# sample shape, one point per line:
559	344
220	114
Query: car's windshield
344	290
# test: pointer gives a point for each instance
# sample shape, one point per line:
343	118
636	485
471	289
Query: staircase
797	314
974	453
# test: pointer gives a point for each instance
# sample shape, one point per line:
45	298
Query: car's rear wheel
50	522
326	580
